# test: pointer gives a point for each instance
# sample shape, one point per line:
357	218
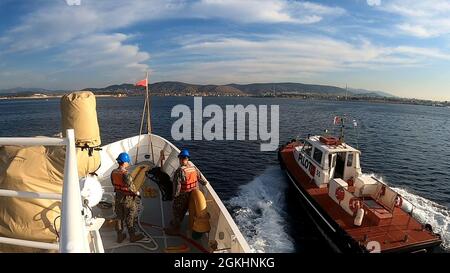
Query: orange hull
399	232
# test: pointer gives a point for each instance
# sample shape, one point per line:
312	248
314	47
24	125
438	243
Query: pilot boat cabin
326	158
355	212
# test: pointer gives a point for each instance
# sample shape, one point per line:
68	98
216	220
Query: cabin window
350	160
318	155
307	148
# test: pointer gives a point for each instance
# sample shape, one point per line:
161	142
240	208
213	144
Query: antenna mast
342	136
346	92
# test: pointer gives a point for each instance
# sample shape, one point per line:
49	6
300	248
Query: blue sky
398	46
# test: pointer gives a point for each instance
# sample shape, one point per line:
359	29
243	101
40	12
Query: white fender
91	190
359	217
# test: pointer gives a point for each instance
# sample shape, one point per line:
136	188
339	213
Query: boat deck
155	215
402	231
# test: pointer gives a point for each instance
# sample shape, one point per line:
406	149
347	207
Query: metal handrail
73	230
28	243
30	195
33	141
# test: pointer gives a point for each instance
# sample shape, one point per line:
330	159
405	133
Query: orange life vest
191	175
117	179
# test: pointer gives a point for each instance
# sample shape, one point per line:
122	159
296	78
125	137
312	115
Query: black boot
121	236
134	237
172	231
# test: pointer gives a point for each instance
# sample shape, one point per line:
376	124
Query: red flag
337	120
142	83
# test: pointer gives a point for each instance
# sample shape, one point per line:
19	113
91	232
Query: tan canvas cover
87	163
33	169
78	112
41	169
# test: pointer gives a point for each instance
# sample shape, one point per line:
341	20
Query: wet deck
402	231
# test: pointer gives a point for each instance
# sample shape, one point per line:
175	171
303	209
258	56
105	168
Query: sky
398	46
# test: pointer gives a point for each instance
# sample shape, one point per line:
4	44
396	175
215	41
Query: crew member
186	179
125	200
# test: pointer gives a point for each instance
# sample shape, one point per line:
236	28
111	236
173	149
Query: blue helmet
123	157
184	153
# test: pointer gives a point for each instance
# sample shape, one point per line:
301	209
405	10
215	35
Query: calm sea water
405	145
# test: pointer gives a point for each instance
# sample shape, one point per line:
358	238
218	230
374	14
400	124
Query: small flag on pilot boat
143	82
337	120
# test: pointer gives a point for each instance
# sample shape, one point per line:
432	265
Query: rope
187	239
149	123
162	219
140	130
141	243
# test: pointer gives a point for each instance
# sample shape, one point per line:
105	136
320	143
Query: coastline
51	97
299	97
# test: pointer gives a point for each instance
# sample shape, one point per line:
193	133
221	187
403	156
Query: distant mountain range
23	90
370	92
254	89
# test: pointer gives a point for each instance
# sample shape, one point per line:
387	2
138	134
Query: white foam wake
427	212
260	206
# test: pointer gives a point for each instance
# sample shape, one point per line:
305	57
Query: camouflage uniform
181	199
126	205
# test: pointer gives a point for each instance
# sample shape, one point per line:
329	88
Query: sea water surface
405	145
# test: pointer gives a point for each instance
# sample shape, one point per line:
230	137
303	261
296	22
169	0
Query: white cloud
422	52
268	11
86	32
422	19
58	23
104	50
416	30
73	2
286	58
109	60
373	2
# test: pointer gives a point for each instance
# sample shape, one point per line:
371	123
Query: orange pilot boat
354	212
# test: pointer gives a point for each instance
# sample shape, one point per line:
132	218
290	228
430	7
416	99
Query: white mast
149	122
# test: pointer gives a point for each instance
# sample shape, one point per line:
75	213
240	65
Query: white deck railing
73	233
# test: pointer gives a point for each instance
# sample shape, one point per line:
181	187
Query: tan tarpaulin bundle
78	112
41	169
32	169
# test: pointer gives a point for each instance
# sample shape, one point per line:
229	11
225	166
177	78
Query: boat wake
259	210
427	212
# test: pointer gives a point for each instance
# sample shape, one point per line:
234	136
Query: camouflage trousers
126	208
180	206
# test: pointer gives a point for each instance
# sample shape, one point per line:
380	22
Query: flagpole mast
341	138
149	124
140	130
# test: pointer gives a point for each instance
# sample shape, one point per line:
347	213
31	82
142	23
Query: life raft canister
191	175
340	194
119	183
354	204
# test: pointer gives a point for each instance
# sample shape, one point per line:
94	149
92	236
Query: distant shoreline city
259	90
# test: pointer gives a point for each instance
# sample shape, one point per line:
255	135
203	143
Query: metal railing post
73	230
